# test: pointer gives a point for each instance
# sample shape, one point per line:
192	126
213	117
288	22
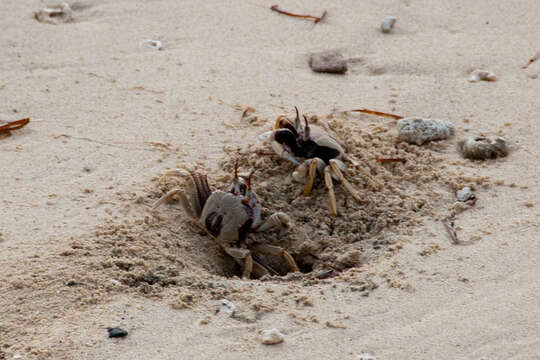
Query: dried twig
391	160
315	19
374	112
531	60
14	125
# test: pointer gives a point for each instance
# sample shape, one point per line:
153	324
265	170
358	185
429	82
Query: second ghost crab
314	150
229	216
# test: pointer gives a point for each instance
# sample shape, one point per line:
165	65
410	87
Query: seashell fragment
330	61
483	147
55	15
388	24
479	75
418	130
271	337
227	307
153	43
464	194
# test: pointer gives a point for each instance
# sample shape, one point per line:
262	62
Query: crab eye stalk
306	129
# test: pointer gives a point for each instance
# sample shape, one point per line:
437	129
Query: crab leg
330	187
277	251
346	184
311	177
183	200
242	254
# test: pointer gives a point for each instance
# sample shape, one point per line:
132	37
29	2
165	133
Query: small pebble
117	332
55	15
419	130
156	44
483	147
227	307
464	194
365	356
482	75
271	337
388	24
331	61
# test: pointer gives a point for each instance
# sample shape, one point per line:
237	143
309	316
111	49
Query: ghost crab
229	216
321	152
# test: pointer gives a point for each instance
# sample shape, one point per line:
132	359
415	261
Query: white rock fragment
419	130
365	356
55	15
388	24
464	194
156	44
271	337
482	75
227	307
483	147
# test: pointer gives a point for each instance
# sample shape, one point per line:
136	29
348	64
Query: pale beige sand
111	115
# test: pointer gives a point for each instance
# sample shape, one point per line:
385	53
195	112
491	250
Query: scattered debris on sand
531	60
465	194
483	147
419	130
330	61
156	44
7	128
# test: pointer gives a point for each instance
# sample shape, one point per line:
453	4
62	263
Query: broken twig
315	19
14	125
531	60
374	112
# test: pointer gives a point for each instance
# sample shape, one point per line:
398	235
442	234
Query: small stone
483	147
271	337
117	332
482	75
227	307
464	194
388	24
330	61
418	130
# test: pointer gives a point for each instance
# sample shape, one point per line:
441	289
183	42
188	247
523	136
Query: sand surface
80	250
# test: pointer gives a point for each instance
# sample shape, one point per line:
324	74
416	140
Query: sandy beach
81	251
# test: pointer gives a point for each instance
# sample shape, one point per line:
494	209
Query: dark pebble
117	332
330	61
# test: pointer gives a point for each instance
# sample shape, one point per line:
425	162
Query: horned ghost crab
229	216
314	150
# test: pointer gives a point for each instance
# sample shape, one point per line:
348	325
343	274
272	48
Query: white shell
419	130
365	356
388	24
271	337
55	15
464	194
479	75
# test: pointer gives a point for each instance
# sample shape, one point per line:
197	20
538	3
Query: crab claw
267	136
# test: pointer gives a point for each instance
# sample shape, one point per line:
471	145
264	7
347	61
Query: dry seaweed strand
531	60
14	125
449	226
391	160
373	112
316	19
